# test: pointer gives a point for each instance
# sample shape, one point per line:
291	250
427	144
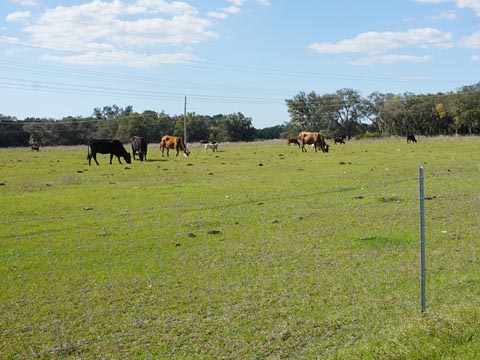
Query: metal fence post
422	239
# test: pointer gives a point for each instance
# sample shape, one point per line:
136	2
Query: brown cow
107	146
312	138
293	141
173	142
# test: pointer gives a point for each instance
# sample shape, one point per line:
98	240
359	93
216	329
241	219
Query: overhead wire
208	92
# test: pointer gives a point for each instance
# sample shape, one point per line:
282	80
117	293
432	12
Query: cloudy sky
62	58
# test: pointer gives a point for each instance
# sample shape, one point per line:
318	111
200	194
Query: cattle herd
139	146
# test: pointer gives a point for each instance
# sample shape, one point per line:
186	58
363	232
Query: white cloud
114	29
381	42
475	58
471	4
390	59
231	10
18	16
25	2
236	8
447	15
9	39
264	2
241	2
217	15
472	41
433	1
461	4
123	58
237	2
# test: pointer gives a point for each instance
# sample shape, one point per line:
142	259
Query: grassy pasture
254	251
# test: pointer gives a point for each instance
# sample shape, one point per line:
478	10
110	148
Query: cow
35	148
312	138
139	145
411	138
211	146
339	140
173	142
107	146
293	141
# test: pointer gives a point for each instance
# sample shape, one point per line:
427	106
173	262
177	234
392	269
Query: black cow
411	137
139	145
107	146
339	140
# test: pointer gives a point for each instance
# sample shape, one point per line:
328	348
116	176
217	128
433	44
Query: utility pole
185	120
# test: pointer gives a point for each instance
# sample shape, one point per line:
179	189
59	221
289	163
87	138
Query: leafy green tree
240	128
12	132
467	113
273	132
302	110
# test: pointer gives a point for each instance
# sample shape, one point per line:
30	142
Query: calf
339	140
211	146
107	146
35	148
293	141
139	145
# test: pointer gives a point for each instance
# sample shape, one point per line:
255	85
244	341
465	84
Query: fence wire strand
177	280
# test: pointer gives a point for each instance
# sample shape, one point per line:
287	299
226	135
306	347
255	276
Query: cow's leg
118	157
95	158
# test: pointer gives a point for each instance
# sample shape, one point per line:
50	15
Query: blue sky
62	58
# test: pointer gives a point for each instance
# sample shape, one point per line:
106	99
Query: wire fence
286	275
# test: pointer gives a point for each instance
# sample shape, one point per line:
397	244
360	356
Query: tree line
347	113
122	124
344	112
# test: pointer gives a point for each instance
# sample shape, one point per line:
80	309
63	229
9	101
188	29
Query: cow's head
128	158
186	152
325	148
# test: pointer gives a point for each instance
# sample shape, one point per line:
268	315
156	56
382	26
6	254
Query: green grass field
254	251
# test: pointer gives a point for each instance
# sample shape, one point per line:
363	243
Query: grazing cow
173	142
107	146
312	138
293	141
411	138
35	148
139	145
211	146
339	140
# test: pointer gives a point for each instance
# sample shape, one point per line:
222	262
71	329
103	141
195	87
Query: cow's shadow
150	160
